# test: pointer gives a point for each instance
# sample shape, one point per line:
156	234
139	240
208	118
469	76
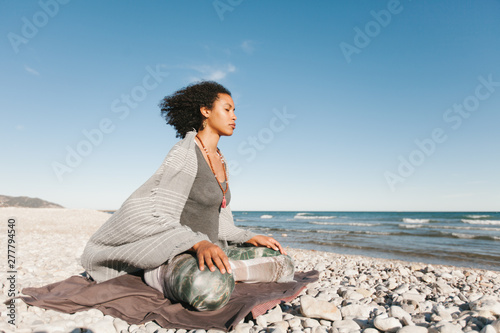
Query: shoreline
361	288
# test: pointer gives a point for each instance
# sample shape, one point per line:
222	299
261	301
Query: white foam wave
465	236
408	220
331	232
477	216
466	228
266	216
355	224
302	216
377	233
488	222
411	226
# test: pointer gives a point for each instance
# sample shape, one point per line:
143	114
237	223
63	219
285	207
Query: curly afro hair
182	108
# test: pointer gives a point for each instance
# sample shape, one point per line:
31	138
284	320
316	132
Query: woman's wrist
196	246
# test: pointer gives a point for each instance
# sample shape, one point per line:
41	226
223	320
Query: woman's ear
205	112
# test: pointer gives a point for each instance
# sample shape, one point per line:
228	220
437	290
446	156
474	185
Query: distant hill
6	201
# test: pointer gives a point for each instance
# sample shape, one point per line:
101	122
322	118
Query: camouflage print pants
182	281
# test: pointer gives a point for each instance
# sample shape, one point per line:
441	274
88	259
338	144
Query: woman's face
221	119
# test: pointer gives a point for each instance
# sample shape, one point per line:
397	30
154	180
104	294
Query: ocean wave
266	216
466	228
469	236
489	222
307	216
410	226
380	233
332	232
446	227
465	236
355	224
456	257
362	232
408	220
477	216
277	230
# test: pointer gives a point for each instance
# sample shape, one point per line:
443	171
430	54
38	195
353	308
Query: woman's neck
210	139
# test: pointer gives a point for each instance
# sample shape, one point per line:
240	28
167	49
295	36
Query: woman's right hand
211	255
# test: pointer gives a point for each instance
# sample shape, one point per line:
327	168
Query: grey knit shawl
146	231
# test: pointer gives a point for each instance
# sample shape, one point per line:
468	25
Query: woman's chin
228	133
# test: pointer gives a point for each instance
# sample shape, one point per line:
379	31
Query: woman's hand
266	241
209	254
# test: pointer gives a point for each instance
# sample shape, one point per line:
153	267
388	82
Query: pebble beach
353	294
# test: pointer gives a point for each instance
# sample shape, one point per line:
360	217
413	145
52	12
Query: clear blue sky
352	105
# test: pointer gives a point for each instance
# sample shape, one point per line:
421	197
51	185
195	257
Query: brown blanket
129	298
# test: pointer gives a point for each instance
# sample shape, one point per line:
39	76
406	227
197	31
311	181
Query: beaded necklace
211	167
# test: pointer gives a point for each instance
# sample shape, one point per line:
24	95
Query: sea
464	239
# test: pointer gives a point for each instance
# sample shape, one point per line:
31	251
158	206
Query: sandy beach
354	293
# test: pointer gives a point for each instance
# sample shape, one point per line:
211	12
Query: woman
176	226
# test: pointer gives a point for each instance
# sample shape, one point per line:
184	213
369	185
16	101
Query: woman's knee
210	290
288	269
203	290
